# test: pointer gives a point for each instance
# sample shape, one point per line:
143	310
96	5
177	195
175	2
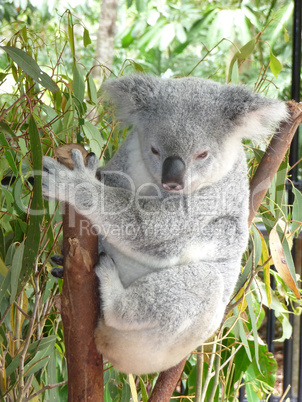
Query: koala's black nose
173	173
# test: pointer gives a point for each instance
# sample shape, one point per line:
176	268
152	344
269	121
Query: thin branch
26	345
209	373
199	372
46	388
216	376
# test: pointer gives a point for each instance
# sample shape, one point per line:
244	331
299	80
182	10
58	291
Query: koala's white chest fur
199	252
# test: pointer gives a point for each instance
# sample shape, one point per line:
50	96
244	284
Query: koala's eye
154	151
202	155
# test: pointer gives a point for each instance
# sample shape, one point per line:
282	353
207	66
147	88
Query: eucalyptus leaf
92	91
78	84
86	38
5	129
32	241
16	269
30	67
296	211
275	65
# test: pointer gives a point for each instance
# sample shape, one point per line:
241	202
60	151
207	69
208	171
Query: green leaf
143	390
86	38
4	129
16	269
92	92
275	65
52	378
296	211
242	362
235	73
78	84
71	36
277	189
140	5
250	392
126	393
94	136
249	301
242	54
257	244
40	359
30	67
242	333
36	210
5	285
33	349
286	36
3	268
2	77
265	377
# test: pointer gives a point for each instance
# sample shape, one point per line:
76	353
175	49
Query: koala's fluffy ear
254	117
132	96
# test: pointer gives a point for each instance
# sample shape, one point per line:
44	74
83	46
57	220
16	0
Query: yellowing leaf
265	261
275	65
279	260
286	36
3	268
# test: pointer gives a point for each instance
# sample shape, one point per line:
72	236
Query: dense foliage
48	98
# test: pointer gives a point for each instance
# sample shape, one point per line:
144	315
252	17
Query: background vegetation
49	97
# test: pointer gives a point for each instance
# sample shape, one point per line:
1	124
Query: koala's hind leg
169	299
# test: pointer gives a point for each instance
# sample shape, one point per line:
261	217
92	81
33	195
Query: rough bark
166	383
259	185
80	302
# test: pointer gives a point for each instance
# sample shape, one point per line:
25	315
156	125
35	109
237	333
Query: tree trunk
80	302
104	50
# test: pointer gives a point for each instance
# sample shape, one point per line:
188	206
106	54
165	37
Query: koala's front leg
77	186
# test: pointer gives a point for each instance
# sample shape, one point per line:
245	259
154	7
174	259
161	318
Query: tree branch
80	301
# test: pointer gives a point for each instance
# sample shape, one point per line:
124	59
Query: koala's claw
78	161
92	162
57	272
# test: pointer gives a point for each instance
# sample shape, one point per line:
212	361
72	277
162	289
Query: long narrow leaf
4	129
254	327
36	211
16	269
281	262
30	67
297	211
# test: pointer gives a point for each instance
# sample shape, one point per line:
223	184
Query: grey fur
172	258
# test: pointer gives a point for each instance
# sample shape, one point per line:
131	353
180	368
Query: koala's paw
61	183
108	275
55	179
91	165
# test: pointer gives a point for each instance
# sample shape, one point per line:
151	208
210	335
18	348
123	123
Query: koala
171	209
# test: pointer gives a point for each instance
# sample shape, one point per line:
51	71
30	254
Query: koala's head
190	129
